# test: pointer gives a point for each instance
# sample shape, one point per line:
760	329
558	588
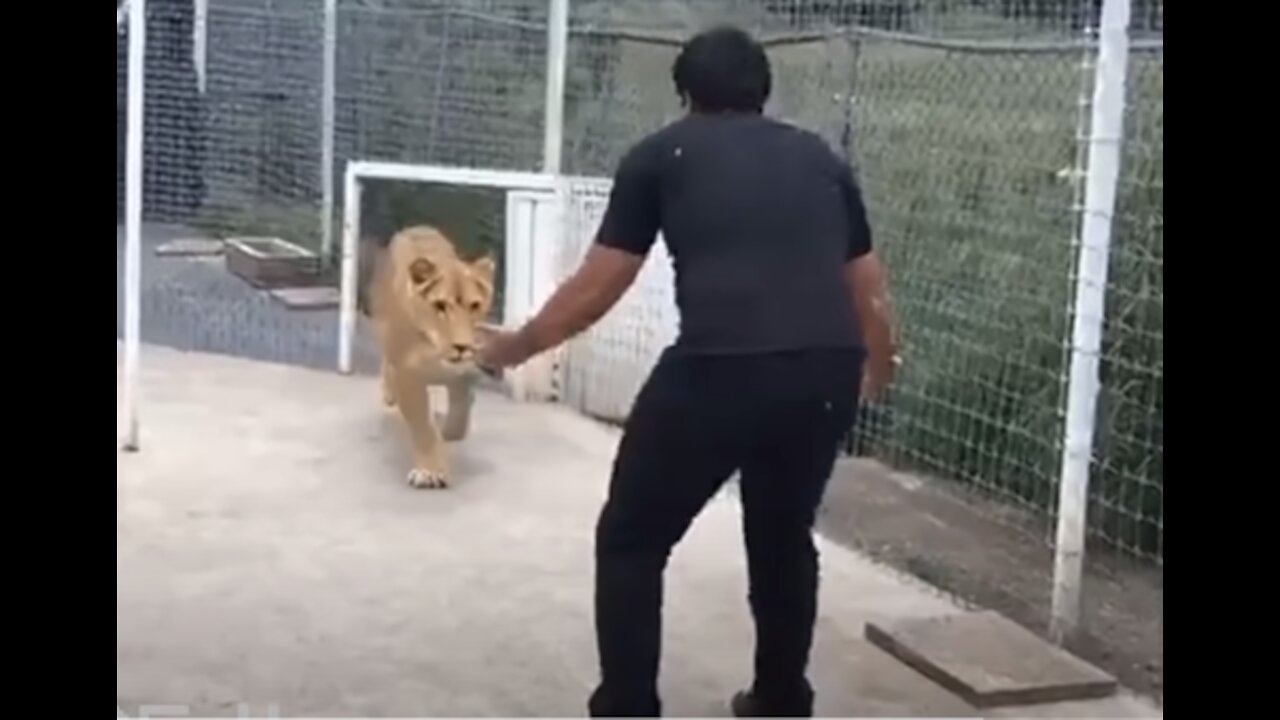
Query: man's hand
506	349
601	279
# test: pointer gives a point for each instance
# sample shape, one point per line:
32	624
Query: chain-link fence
967	122
972	159
1124	582
234	142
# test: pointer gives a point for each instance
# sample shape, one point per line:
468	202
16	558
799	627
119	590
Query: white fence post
533	233
329	111
557	64
347	309
536	378
136	107
200	43
1105	138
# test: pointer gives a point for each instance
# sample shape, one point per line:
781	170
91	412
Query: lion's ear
484	268
422	271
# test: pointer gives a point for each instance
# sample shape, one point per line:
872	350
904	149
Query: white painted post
535	377
532	233
200	43
557	64
136	108
1106	133
350	270
329	111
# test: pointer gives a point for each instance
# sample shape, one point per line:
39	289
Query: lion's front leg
388	385
457	421
388	370
430	465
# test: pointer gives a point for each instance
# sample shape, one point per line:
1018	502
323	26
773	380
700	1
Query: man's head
723	70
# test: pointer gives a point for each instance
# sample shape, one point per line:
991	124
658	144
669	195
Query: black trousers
775	418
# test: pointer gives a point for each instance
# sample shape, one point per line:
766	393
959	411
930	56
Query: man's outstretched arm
601	279
627	232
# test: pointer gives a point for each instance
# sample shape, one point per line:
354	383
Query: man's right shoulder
811	144
819	146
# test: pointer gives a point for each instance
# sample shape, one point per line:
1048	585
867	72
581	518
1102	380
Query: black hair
723	69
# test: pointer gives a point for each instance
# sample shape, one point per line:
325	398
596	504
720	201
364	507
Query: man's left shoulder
664	139
643	153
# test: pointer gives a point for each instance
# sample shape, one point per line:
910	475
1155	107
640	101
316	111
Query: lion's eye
475	307
441	306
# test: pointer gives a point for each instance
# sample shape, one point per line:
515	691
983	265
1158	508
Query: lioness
426	304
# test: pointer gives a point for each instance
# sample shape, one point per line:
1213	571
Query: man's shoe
745	704
601	704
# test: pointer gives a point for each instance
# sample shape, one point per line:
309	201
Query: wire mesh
444	83
234	139
962	158
228	141
1128	479
968	155
1123	600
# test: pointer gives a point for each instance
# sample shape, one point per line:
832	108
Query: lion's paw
428	479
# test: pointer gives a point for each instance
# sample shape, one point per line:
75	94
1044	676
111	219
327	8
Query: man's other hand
865	278
877	375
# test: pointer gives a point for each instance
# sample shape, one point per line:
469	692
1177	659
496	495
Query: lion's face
447	302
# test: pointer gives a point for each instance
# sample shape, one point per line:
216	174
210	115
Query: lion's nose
461	350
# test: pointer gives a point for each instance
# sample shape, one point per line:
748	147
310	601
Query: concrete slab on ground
190	247
989	660
270	554
320	297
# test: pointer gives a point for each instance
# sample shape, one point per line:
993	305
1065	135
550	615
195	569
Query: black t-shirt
759	217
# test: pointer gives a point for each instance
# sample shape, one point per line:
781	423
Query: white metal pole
200	42
133	218
1106	132
350	275
553	145
329	113
557	63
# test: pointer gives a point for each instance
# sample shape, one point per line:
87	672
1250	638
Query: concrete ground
268	554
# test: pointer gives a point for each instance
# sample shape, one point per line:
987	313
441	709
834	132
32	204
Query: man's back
759	218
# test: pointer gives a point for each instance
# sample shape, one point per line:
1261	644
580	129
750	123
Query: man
782	311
